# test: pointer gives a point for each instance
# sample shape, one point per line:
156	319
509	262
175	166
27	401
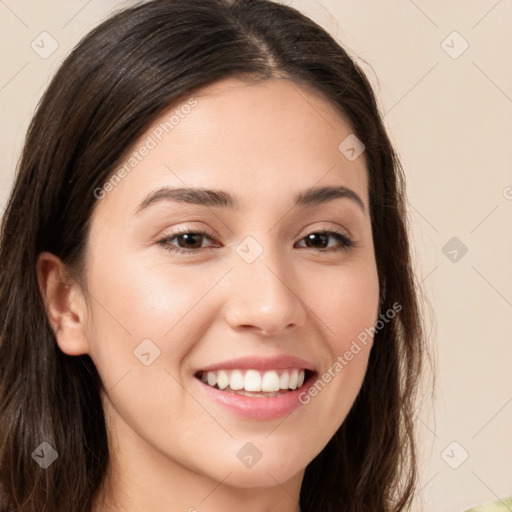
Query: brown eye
190	240
320	240
187	242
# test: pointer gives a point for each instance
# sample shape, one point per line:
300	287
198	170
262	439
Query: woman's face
257	300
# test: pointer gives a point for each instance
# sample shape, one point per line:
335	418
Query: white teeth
212	378
222	379
237	380
294	376
283	381
253	381
270	382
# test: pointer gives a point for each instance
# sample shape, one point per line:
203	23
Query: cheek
347	308
147	297
346	304
136	300
146	318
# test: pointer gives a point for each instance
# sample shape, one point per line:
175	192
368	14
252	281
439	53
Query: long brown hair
119	78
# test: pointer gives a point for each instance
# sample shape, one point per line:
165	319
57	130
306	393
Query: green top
501	505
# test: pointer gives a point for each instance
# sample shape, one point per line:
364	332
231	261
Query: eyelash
346	243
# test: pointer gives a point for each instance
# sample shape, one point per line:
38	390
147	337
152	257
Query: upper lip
260	363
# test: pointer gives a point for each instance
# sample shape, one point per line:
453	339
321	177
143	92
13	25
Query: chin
262	475
275	466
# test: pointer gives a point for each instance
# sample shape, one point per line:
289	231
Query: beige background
450	117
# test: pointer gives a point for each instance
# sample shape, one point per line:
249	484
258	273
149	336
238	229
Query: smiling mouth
255	383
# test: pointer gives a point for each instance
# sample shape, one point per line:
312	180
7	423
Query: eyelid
347	241
186	228
331	227
211	233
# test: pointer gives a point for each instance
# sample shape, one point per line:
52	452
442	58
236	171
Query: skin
172	447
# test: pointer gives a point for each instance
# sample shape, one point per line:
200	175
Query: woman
206	288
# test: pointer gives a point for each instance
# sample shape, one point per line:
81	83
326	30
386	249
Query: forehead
258	141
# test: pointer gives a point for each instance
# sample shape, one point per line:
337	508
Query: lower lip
257	408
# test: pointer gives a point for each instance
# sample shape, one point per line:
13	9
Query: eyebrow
219	198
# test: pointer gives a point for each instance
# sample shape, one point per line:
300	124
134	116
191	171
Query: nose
262	296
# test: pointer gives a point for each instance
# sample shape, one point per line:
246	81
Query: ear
64	304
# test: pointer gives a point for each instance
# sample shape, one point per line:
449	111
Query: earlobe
64	304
